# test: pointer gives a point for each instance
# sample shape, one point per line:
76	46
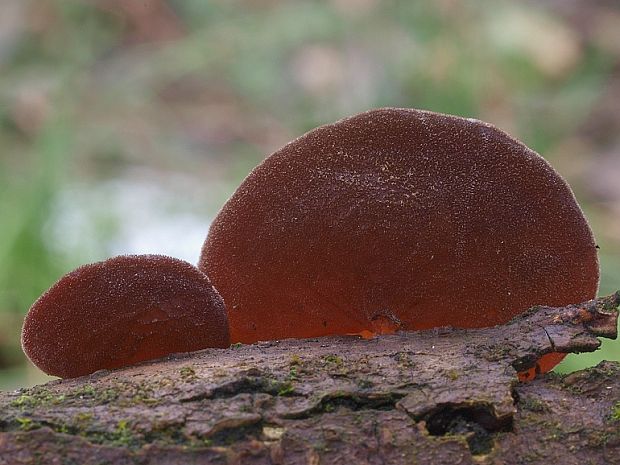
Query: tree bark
443	396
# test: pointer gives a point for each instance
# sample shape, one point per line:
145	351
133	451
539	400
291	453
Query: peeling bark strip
443	396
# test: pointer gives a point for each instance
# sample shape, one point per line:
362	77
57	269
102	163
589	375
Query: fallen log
443	396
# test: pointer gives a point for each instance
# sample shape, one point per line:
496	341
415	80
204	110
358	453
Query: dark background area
125	125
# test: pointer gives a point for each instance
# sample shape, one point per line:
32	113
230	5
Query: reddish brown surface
122	311
397	218
544	364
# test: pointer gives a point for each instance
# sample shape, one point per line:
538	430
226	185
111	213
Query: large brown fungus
122	311
397	218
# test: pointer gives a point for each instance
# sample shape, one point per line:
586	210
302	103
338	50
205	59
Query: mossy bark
443	396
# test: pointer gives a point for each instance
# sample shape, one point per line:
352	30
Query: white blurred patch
128	216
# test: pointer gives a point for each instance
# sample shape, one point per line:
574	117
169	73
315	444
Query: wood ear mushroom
123	311
397	219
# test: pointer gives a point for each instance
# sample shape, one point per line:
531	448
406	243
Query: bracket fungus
397	219
122	311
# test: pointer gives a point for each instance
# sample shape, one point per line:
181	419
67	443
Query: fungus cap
397	218
123	311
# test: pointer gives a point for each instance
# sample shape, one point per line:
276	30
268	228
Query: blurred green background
124	125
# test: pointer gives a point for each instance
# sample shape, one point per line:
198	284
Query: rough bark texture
443	397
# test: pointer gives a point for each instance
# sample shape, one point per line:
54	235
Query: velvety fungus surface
397	218
122	311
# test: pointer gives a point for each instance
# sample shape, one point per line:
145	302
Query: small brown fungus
397	218
123	311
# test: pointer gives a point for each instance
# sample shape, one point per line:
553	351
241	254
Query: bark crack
550	339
